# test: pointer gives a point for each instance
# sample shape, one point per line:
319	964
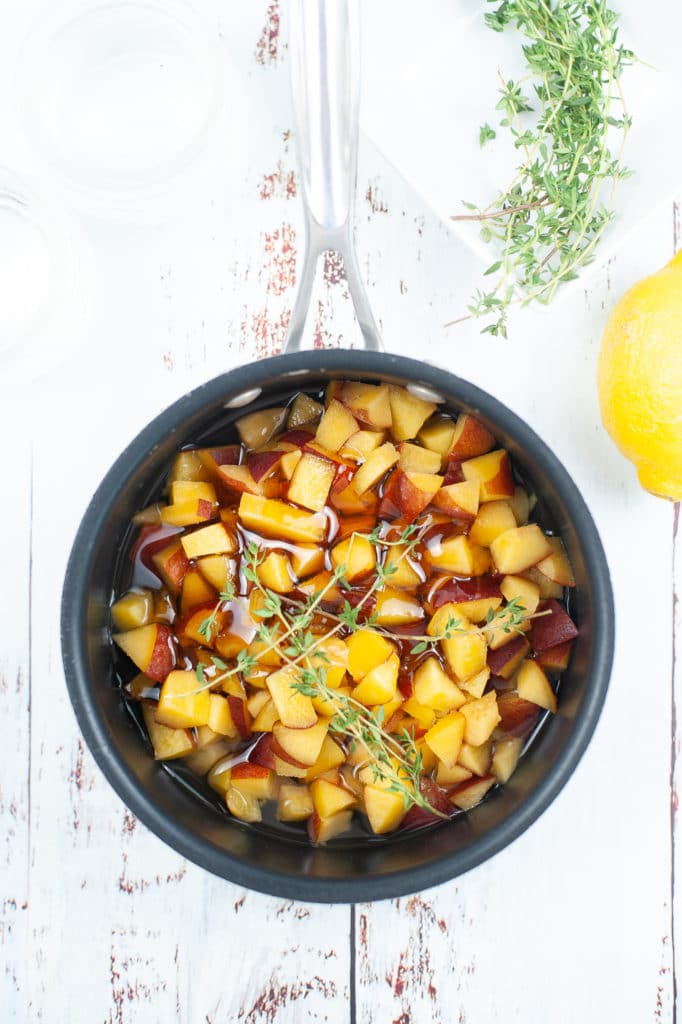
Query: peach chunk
556	565
209	540
331	756
294	802
357	554
366	650
403	572
321	830
275	572
167	743
243	805
552	628
460	501
330	797
408	413
151	648
470	438
254	780
469	794
465	654
482	717
220	718
256	428
303	409
506	757
519	548
446	736
218	570
301	745
494	518
274	518
415	459
437	434
171	565
373	468
311	482
134	609
476	759
475	685
493	472
433	688
182	702
384	810
454	554
412	492
295	710
336	426
241	479
187	466
533	685
369	403
396	608
361	444
518	588
506	659
379	685
195	591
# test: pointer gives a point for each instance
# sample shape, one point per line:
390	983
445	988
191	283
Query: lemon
640	379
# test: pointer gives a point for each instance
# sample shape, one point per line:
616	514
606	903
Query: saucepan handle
324	50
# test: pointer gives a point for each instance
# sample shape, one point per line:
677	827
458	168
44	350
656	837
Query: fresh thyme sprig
548	221
508	619
209	628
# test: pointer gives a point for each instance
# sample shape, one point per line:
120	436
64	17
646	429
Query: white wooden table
99	921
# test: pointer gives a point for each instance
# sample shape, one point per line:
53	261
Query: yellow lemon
640	379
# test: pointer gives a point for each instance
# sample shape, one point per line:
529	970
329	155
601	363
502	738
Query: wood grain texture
575	921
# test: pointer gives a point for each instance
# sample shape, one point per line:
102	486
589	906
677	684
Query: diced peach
306	560
460	501
465	654
412	492
453	554
493	471
556	659
274	518
423	715
379	685
183	491
167	743
330	798
134	609
256	701
408	413
475	685
187	466
209	540
254	780
289	461
348	502
171	565
374	467
151	648
294	802
470	438
240	479
415	459
264	463
520	505
518	588
434	688
506	659
331	756
286	770
437	434
243	805
311	482
519	548
361	444
446	736
257	428
366	650
357	554
266	717
295	710
182	702
494	518
220	717
454	474
548	589
403	572
303	409
336	426
550	629
556	565
275	572
213	458
188	513
369	403
302	745
195	591
506	758
384	809
476	759
321	830
396	608
218	776
218	570
482	717
517	716
449	777
533	685
469	794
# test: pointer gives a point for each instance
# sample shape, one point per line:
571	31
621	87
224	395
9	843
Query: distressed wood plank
15	709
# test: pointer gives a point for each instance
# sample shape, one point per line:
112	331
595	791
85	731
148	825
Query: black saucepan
350	869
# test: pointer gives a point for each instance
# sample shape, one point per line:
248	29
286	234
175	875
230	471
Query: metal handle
324	47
